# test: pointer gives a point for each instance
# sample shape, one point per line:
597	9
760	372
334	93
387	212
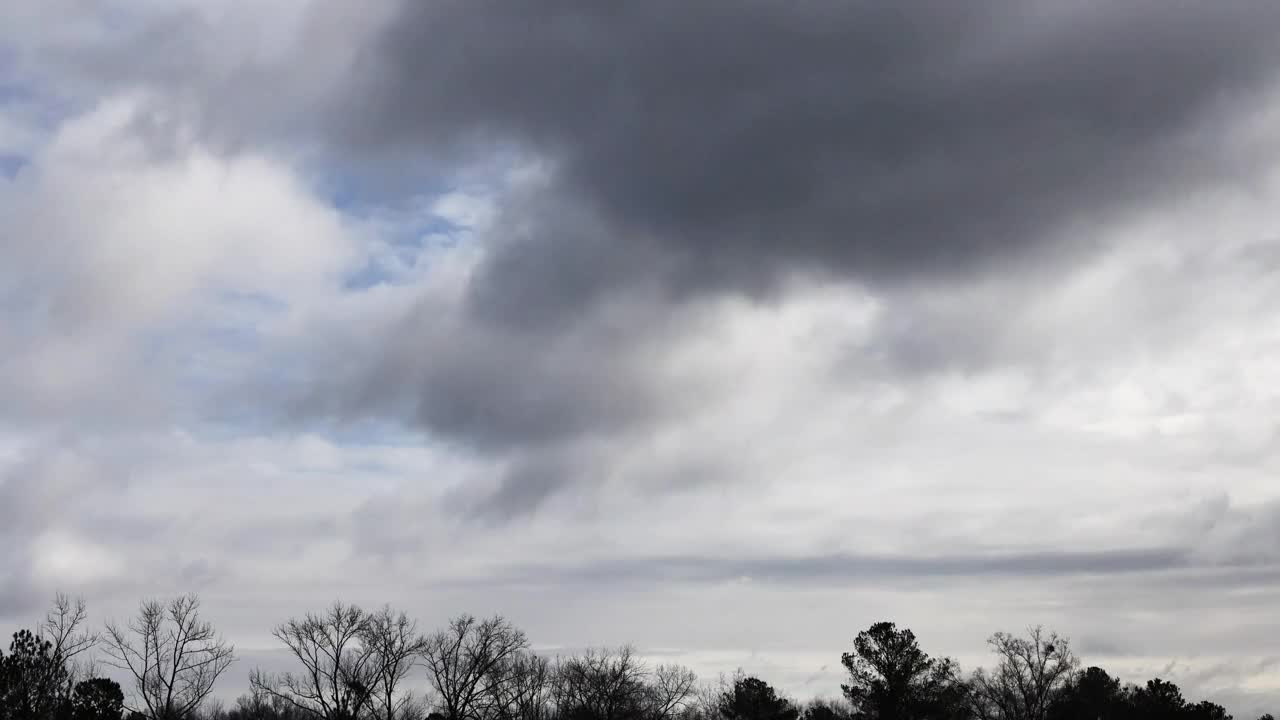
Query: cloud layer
652	323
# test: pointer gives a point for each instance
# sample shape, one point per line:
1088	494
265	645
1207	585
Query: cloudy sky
724	328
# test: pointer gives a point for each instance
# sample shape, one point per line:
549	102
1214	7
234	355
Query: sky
724	328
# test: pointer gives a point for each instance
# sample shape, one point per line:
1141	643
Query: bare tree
601	685
173	656
674	690
616	685
523	688
1032	671
462	663
257	705
339	674
394	645
64	627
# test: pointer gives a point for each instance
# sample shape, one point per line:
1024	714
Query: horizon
713	671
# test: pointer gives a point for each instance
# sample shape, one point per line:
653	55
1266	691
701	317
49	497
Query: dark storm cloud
725	146
745	139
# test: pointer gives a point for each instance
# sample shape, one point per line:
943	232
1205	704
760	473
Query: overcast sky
724	328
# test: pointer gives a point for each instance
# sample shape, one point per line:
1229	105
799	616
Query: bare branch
340	673
394	644
463	661
616	685
1032	671
173	656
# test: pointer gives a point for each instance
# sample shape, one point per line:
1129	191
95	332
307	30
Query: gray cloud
724	147
548	403
691	151
48	489
824	295
745	140
851	568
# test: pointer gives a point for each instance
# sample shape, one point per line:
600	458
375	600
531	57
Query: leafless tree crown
1029	674
338	676
464	661
173	656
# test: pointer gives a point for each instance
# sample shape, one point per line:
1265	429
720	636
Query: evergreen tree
754	699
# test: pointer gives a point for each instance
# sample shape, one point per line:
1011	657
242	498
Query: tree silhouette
1031	674
260	706
31	678
357	665
1091	694
825	710
751	698
616	685
64	627
97	699
1156	700
1205	710
339	673
891	678
523	690
394	644
173	656
463	661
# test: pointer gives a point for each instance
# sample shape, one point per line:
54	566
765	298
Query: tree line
356	664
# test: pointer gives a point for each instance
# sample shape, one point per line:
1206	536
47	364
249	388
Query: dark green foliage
1158	700
35	685
32	678
1162	700
1205	710
1093	694
891	678
751	698
97	699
